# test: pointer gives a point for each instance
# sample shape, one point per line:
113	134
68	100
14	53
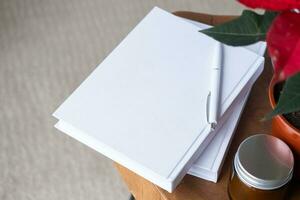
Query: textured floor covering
46	49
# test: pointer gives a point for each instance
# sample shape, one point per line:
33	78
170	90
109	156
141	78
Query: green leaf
289	100
249	28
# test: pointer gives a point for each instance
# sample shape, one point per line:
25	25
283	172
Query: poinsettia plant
279	26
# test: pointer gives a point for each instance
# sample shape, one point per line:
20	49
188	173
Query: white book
209	163
145	105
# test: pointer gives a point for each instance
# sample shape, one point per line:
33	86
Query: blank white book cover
144	106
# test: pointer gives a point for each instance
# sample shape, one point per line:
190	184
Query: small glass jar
262	168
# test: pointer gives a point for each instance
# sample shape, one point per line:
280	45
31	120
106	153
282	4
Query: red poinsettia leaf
283	41
278	5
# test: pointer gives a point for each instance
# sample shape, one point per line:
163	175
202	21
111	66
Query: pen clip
207	107
212	124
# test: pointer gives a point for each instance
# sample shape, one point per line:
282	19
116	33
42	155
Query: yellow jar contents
262	169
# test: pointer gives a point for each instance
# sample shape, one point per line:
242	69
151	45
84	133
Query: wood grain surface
192	188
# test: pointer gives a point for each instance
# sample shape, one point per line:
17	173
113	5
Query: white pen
215	84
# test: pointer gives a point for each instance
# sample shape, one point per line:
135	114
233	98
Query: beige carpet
46	49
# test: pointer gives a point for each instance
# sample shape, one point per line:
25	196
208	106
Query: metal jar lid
264	162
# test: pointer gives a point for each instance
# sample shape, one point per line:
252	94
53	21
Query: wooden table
192	188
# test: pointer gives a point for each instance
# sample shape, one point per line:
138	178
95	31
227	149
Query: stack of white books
145	105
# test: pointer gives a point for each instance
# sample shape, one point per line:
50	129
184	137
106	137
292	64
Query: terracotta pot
282	129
